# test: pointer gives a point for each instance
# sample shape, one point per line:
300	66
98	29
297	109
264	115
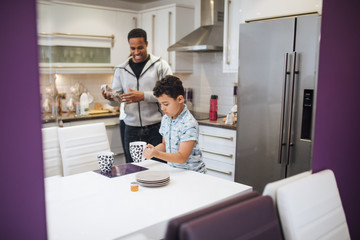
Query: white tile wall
207	79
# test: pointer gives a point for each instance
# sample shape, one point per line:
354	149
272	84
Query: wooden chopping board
94	111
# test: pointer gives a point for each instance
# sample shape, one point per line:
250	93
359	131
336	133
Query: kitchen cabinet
90	37
237	12
232	19
165	26
218	150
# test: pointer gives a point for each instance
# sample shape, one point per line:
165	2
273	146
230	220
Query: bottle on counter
213	108
77	108
84	104
189	98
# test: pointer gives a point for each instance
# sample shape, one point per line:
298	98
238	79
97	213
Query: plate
154	184
152	176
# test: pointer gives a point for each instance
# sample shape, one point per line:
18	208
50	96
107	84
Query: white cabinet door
164	26
231	35
125	22
237	12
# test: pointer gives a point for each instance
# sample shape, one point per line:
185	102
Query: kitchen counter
219	123
70	116
201	117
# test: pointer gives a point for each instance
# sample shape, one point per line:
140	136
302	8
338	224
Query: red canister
213	108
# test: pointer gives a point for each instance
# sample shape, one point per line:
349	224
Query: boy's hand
150	151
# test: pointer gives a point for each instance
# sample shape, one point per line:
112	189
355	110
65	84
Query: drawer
220	169
217	154
218	144
213	136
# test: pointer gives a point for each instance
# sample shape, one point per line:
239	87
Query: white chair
79	147
271	188
51	152
311	208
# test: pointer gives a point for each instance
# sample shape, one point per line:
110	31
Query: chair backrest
51	152
254	219
173	229
311	208
271	188
79	147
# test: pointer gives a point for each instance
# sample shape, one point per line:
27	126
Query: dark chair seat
254	218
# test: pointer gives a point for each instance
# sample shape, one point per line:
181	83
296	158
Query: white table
91	206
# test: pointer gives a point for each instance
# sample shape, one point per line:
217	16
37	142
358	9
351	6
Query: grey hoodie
146	112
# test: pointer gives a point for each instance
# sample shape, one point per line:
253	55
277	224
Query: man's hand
107	95
132	97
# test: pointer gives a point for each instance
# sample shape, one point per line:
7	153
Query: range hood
208	37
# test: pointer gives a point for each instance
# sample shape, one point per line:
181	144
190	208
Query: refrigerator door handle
291	107
282	116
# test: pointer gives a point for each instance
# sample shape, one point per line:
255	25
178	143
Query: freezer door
306	48
262	76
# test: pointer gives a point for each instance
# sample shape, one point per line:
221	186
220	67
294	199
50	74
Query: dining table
91	205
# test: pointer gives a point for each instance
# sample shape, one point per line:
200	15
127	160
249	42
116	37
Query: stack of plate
153	178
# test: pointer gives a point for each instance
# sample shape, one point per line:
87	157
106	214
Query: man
135	80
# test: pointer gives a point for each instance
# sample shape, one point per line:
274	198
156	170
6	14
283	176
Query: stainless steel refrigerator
278	62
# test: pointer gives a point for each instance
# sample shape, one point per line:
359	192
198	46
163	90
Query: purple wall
337	130
22	204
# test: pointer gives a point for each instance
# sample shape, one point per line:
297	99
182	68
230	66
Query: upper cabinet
231	35
165	26
76	38
237	12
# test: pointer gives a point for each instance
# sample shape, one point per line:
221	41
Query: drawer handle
217	153
217	136
219	171
112	124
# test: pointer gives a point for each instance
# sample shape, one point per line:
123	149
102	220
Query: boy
179	129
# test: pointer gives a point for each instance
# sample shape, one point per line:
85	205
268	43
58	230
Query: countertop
70	116
219	123
201	117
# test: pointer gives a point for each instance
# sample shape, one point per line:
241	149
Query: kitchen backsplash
207	79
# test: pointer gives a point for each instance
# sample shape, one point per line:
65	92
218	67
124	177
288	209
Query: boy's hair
137	32
169	85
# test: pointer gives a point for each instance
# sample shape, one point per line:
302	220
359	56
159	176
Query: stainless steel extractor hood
208	37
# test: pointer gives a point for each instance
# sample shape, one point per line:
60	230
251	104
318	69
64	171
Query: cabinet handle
135	21
169	38
111	124
217	136
219	171
217	153
227	33
153	34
